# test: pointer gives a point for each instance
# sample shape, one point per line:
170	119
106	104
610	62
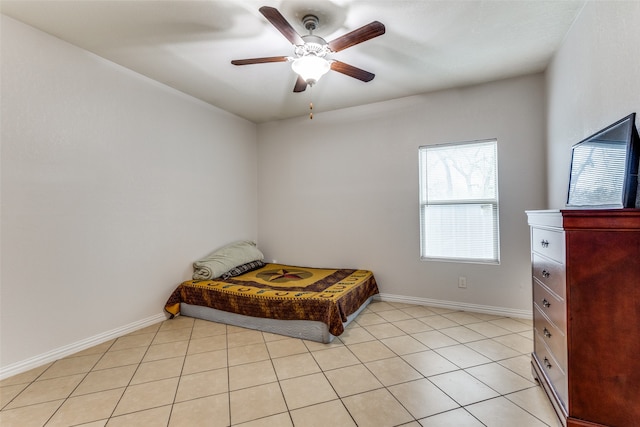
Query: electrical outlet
462	282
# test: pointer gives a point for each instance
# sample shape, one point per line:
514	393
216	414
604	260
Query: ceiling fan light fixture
310	68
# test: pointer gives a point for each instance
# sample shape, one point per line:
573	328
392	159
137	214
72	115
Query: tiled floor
396	365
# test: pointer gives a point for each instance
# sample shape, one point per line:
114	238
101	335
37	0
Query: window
459	202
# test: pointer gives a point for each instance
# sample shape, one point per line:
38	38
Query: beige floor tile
422	399
462	356
148	329
205	362
213	409
268	337
429	363
393	371
177	323
203	345
86	408
370	351
146	396
500	378
516	342
418	311
377	408
295	366
352	380
96	349
158	370
462	317
278	420
354	335
244	338
29	416
172	335
99	423
462	334
521	365
106	379
379	306
256	402
305	391
166	351
435	339
74	365
455	418
493	349
204	328
46	390
365	319
512	324
25	377
488	330
500	412
251	374
404	345
155	417
286	347
535	401
325	414
317	346
463	388
202	384
333	358
9	392
384	330
412	326
114	359
394	315
438	322
131	341
247	354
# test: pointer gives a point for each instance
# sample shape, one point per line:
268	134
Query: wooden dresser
586	309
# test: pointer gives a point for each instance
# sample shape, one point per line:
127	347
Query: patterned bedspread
283	292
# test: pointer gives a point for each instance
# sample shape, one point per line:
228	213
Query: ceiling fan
309	60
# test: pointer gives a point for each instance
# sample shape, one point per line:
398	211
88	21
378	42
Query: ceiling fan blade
277	20
300	86
260	60
352	71
362	34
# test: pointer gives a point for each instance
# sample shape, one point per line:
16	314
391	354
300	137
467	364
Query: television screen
604	168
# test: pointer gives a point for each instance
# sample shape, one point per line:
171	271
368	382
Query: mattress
309	303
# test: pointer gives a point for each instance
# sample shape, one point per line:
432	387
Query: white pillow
224	259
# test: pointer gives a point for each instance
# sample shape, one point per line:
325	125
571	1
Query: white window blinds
459	202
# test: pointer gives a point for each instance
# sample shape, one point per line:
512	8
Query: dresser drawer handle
547	363
544	243
546	333
546	303
546	274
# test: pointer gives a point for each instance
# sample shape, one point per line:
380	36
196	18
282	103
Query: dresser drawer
548	243
552	337
549	273
548	303
557	376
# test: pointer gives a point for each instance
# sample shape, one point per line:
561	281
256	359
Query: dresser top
586	219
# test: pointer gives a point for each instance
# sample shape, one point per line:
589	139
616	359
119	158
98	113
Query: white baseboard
454	305
67	350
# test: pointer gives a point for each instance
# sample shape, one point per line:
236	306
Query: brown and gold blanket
283	292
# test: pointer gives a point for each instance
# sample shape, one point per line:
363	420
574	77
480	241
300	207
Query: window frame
424	203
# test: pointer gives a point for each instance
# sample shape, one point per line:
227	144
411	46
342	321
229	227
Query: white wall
342	189
593	81
112	185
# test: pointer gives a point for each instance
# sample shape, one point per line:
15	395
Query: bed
309	303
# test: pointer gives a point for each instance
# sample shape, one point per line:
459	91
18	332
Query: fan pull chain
311	102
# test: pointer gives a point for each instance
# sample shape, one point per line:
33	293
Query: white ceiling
428	45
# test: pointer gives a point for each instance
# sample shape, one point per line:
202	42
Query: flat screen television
604	168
